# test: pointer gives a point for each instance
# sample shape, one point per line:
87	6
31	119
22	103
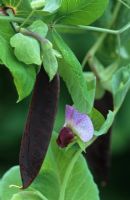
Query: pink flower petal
80	123
69	114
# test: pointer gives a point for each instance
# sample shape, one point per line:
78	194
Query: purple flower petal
69	114
80	123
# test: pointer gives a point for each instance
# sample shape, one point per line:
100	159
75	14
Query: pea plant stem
70	168
125	4
87	28
70	27
90	54
12	19
68	173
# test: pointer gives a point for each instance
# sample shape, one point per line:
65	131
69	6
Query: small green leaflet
52	5
97	119
91	84
81	12
71	72
120	86
49	59
24	76
26	49
39	27
106	125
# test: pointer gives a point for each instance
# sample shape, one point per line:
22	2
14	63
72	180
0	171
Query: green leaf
6	30
106	125
71	72
52	5
39	27
28	195
120	86
22	7
26	49
80	180
24	76
64	100
91	84
50	63
11	177
81	12
106	75
51	177
97	119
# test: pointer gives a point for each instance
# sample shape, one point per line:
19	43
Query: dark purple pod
39	127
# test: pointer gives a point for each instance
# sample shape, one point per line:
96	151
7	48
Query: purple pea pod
39	127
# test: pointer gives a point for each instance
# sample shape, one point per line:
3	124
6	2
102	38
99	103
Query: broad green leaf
28	195
24	76
71	72
51	177
11	177
120	85
39	27
6	29
80	180
46	182
26	49
49	59
81	12
106	125
52	5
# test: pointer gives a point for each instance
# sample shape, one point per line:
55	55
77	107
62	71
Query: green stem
125	4
92	28
68	173
27	19
86	28
70	168
96	46
12	19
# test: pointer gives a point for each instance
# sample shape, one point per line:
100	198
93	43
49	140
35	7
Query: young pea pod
39	127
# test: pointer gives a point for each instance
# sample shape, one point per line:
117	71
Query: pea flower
76	124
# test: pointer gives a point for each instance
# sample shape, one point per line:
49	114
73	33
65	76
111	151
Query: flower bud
65	137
